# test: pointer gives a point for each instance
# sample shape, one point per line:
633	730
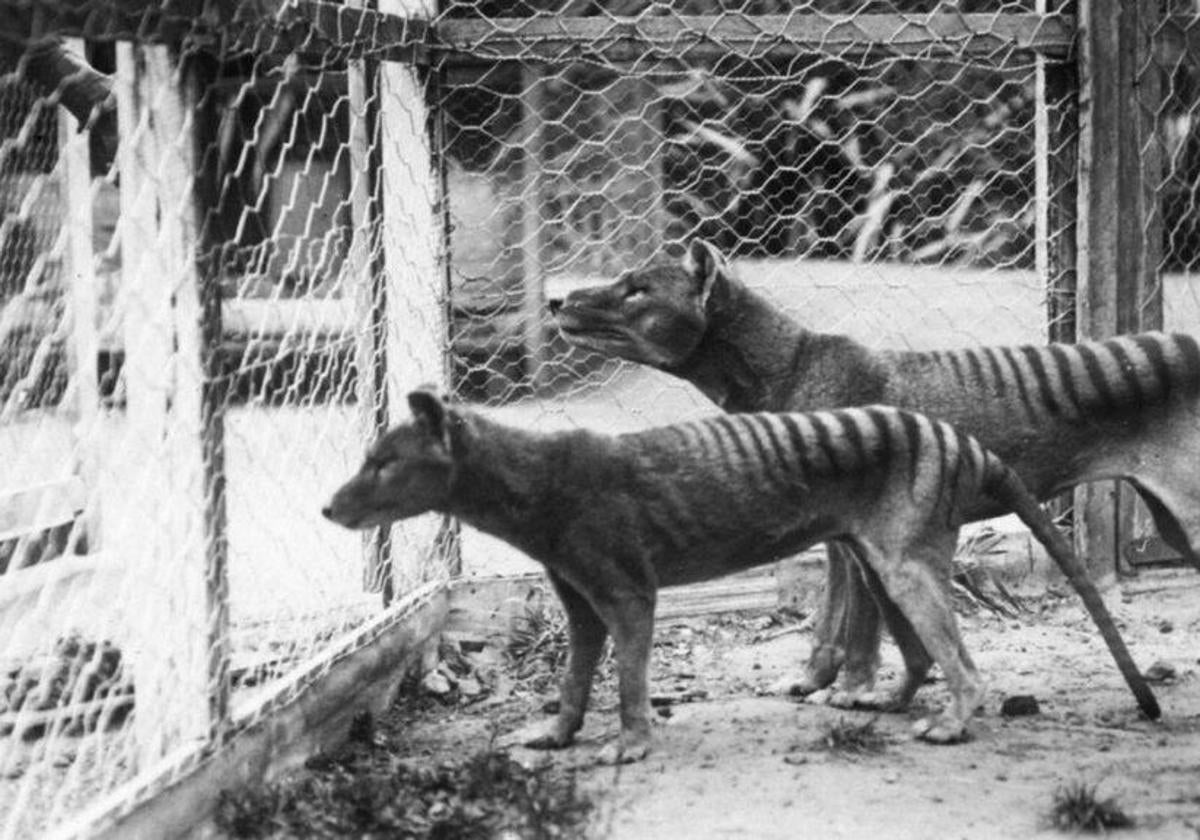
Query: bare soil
732	760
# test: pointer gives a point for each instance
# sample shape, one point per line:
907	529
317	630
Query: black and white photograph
599	419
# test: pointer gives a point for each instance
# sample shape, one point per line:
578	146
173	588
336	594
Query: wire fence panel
219	275
1169	152
901	172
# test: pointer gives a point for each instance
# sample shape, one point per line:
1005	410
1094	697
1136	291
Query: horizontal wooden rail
305	27
319	28
753	36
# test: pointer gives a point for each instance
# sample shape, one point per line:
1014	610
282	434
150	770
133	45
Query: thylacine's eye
634	294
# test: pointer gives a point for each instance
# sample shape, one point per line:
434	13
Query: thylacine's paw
539	736
868	699
624	751
942	729
794	686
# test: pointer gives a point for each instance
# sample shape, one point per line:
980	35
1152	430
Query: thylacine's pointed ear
705	262
430	411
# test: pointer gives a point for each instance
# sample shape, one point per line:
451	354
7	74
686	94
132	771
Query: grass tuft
538	641
1076	808
843	737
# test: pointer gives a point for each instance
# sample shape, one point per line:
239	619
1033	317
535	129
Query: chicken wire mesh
239	238
218	274
896	171
1168	83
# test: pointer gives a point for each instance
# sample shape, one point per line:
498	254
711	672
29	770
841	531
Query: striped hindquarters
776	449
1081	381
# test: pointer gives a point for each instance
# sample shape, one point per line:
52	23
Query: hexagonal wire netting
872	166
195	350
224	255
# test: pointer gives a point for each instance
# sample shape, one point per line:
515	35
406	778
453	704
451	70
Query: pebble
1160	671
1020	705
436	683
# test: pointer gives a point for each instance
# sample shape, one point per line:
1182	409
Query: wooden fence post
1118	288
396	262
368	272
162	526
533	277
80	277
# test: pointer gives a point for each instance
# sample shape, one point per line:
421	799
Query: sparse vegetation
538	641
366	789
846	737
975	587
1077	808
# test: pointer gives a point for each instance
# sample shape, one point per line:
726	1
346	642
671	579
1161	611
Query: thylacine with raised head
1059	415
613	518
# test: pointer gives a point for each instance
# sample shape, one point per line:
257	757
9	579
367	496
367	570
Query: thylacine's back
614	518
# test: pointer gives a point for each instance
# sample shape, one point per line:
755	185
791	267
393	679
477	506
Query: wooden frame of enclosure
1103	280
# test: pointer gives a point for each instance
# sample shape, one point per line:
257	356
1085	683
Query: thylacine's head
407	472
655	316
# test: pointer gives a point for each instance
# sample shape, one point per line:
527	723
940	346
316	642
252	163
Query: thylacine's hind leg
1163	465
586	634
910	576
917	660
1178	522
846	634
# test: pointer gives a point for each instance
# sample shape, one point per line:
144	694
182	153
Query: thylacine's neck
508	481
754	357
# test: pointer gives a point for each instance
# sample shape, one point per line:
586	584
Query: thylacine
613	518
1058	415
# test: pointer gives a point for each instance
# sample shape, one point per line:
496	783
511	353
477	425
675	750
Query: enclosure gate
251	227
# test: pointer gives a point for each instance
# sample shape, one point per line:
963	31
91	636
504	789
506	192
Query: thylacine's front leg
630	618
586	634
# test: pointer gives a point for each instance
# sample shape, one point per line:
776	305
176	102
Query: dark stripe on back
1128	371
1045	391
854	438
748	422
735	435
774	457
956	366
997	372
791	425
939	437
1191	361
1062	361
779	447
825	441
710	440
912	434
953	462
1018	379
1095	371
1152	346
977	372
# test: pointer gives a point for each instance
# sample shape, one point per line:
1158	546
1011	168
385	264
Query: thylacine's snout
327	512
584	310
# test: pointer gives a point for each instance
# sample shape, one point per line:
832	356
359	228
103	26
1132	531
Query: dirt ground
732	760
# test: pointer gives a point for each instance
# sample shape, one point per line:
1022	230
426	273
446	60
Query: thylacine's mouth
358	522
577	330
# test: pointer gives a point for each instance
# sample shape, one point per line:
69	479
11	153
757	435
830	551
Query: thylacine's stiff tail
1003	485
